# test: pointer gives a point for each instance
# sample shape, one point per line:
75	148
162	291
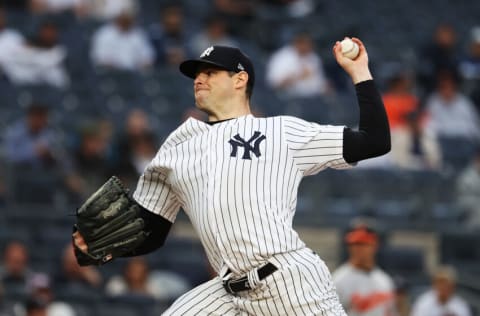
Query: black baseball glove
110	224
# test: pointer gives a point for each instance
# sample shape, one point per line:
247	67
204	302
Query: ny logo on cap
240	66
207	52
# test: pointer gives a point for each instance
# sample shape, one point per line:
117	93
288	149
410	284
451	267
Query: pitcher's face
212	87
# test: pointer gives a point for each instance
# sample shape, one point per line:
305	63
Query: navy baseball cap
225	57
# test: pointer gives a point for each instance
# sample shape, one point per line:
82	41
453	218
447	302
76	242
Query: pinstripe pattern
242	209
301	286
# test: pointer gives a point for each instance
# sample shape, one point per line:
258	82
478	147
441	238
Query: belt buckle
226	282
226	285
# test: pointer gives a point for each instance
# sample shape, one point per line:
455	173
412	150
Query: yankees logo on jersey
238	141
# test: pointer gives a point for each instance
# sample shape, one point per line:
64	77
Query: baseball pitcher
236	176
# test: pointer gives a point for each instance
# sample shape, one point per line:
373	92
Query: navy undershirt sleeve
373	136
157	227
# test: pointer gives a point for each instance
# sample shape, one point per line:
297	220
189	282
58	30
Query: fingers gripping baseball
79	241
356	68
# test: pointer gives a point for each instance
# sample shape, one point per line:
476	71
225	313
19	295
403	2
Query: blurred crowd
432	103
365	289
363	286
44	293
433	108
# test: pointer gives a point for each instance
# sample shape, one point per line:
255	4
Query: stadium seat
460	249
33	185
15	232
456	151
78	294
397	210
404	261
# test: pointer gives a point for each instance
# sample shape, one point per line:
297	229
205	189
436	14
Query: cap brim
190	67
361	237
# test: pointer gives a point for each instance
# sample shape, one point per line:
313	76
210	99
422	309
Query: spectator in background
413	147
121	45
10	39
402	297
31	141
73	277
36	156
168	36
468	192
363	288
441	300
90	160
439	56
399	101
30	144
451	113
15	271
470	68
136	148
296	70
39	287
39	60
138	279
470	65
215	33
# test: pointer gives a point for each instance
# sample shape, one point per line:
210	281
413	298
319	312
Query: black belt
242	284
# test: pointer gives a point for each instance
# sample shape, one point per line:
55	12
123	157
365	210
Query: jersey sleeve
154	193
314	147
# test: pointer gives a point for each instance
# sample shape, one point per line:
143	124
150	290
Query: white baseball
349	48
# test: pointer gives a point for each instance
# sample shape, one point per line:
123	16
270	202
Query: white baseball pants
302	285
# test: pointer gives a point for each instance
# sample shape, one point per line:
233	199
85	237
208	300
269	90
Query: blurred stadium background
421	210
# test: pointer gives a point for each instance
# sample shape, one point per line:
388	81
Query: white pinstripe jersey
242	209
